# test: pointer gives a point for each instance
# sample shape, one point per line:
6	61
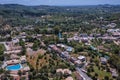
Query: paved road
6	47
2	42
83	75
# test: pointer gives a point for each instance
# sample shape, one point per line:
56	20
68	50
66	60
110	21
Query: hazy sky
59	2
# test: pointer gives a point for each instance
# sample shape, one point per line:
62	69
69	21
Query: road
83	75
6	47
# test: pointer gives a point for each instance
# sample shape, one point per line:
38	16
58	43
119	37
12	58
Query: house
65	54
14	56
84	38
78	63
98	35
73	59
67	71
108	38
83	35
70	39
113	30
69	78
39	35
116	34
61	45
12	46
76	38
15	40
59	71
102	48
82	58
103	60
23	59
28	45
69	49
111	25
64	71
14	61
114	72
27	68
55	48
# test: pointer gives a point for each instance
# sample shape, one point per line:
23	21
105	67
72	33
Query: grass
32	59
2	48
101	74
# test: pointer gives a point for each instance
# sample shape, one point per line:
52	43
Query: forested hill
21	10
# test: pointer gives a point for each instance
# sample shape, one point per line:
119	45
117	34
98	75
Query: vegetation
42	25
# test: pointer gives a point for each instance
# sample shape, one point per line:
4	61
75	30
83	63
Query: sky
60	2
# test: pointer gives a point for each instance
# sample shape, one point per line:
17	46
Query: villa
103	60
67	48
116	34
65	55
76	38
113	30
23	59
102	48
64	71
111	25
14	65
14	61
114	72
73	59
28	45
15	40
69	78
11	47
82	58
78	63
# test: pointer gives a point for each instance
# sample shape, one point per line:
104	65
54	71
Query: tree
23	50
78	48
106	78
19	73
56	30
36	45
1	49
21	42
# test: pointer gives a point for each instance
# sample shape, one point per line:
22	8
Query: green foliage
1	49
21	42
1	52
115	62
78	48
36	45
56	30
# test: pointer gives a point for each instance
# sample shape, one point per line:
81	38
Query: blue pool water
14	67
69	49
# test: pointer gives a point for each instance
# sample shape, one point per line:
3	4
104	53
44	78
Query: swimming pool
69	49
14	67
